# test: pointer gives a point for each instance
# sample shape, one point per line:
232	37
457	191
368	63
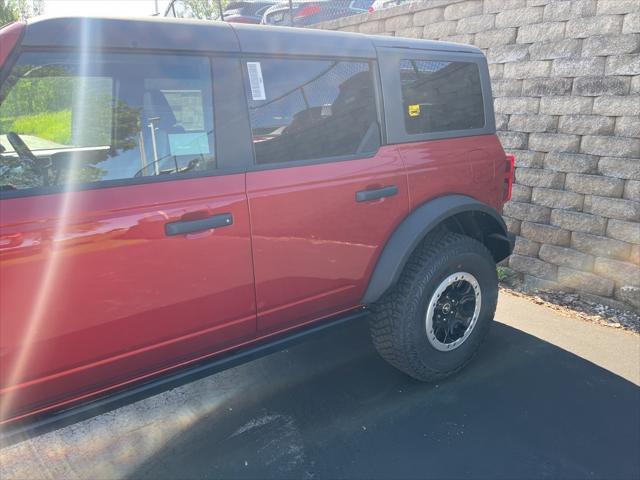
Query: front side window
440	96
67	119
310	109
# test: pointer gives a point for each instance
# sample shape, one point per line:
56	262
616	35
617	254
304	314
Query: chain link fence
298	13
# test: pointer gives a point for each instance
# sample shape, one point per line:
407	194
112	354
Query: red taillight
371	9
509	173
9	36
307	11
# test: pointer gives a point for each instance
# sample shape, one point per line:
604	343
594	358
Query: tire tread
387	323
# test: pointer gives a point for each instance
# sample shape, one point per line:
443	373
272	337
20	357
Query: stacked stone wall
566	87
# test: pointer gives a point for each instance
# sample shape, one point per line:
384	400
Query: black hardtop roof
155	33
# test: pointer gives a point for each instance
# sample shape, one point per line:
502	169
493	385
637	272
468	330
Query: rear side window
310	109
441	96
70	120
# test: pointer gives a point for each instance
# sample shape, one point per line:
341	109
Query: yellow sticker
414	110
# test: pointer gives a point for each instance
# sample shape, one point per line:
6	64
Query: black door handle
368	195
190	226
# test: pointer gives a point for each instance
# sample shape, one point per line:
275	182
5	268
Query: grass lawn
54	126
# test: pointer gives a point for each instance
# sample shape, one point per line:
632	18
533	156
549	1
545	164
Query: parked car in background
246	12
308	12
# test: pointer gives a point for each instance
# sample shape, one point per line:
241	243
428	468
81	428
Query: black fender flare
413	230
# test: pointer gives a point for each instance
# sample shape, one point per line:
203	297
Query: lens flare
67	206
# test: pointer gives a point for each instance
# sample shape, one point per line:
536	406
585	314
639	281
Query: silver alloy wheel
451	315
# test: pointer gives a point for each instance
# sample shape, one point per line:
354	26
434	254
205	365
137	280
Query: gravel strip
571	304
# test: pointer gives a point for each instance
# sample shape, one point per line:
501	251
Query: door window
311	109
67	119
441	96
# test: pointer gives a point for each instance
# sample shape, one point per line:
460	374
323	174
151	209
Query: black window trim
374	70
243	166
120	182
123	182
390	59
314	161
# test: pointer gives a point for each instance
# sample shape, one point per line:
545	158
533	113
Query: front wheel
433	321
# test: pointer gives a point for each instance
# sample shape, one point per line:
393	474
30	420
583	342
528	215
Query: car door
323	195
124	228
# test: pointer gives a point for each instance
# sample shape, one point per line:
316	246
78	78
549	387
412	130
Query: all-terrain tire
398	320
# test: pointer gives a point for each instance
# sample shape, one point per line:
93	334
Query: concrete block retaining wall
566	84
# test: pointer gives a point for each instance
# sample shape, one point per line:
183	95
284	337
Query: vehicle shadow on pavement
331	408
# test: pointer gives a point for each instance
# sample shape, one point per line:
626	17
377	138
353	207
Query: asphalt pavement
546	397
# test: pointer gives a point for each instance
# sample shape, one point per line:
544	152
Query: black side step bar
24	429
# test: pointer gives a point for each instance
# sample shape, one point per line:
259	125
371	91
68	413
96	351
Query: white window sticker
256	81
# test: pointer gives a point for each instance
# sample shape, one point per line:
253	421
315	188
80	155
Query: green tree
8	12
12	10
202	9
37	7
30	8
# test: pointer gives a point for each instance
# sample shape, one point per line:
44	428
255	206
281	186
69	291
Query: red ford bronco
179	196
